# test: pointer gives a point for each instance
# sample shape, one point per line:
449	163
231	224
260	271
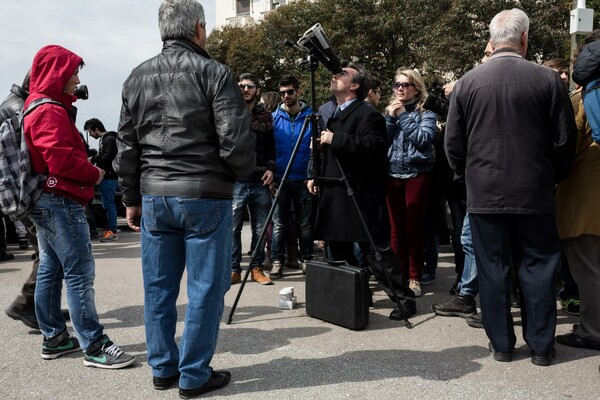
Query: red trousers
407	201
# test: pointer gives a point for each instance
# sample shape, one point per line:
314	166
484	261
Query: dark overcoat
360	144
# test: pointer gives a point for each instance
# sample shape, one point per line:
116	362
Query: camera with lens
436	101
81	92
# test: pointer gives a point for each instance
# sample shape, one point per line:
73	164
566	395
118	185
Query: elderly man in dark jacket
357	137
185	139
511	133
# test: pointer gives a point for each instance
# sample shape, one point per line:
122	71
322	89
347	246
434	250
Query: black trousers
345	251
531	244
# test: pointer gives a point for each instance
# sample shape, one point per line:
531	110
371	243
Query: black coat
511	133
360	144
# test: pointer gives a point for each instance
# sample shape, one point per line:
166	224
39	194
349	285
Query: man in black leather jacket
186	137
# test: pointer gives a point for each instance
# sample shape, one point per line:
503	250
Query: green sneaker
103	353
59	345
571	306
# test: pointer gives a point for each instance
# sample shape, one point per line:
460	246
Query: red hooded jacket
57	149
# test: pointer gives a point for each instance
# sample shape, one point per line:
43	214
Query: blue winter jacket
286	133
411	141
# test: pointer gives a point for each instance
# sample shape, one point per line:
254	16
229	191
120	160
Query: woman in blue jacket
411	130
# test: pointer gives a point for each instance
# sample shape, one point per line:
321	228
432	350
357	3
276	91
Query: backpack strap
38	102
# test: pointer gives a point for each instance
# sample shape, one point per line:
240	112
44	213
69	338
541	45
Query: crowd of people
514	161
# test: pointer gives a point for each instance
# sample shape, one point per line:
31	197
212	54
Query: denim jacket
411	141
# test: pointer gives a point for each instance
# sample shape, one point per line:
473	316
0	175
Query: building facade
244	12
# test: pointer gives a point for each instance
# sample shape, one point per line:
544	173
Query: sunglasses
403	85
247	86
289	92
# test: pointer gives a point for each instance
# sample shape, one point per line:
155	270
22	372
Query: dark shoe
103	353
475	321
4	256
59	345
542	358
410	309
23	244
500	355
572	340
459	306
66	315
28	318
165	383
427	279
217	380
94	235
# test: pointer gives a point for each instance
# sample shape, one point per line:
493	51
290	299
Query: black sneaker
165	383
59	345
217	380
104	353
459	306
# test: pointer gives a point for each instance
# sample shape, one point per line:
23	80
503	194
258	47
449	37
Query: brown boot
258	276
236	277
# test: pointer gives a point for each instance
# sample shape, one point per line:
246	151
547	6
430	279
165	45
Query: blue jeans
182	233
469	284
258	198
293	192
64	239
108	188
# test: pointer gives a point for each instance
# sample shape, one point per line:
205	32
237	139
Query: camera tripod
316	122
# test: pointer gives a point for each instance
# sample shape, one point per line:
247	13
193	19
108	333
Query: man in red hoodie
58	152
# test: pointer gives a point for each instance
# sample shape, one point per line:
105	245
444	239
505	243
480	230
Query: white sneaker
415	286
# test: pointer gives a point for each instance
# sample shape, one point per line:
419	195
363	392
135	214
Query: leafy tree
439	37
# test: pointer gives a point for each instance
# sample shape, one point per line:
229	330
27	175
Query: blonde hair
415	78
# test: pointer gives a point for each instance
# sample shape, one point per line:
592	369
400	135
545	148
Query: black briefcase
337	293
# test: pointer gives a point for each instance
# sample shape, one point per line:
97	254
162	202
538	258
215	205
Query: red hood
52	68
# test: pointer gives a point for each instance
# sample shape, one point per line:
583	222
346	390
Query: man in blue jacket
288	121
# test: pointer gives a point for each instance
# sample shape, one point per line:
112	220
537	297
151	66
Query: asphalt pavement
285	354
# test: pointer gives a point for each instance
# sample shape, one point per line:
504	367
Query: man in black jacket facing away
186	139
510	133
357	136
107	152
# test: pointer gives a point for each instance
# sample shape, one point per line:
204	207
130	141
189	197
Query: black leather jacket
13	102
184	127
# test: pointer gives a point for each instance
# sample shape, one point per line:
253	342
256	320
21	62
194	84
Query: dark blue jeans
64	239
192	235
108	188
258	198
293	192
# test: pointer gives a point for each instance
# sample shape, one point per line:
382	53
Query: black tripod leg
378	255
263	232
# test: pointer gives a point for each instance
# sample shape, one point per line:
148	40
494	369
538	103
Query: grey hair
507	27
177	19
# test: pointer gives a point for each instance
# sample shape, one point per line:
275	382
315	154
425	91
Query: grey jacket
511	133
184	128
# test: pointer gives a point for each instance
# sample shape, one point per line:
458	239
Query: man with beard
356	135
288	120
253	189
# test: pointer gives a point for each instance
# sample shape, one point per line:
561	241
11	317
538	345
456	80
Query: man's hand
133	215
326	137
267	178
312	188
100	176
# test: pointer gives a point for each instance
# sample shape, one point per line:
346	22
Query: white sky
112	37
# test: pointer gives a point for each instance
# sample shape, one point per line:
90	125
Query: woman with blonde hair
411	130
